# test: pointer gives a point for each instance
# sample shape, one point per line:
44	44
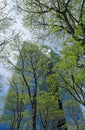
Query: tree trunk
45	128
18	126
77	126
34	107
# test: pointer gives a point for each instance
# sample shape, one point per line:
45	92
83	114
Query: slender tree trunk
19	118
34	102
77	126
34	107
18	126
45	128
53	127
11	128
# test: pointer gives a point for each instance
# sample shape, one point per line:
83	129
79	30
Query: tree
68	74
32	67
48	110
74	114
15	112
56	15
71	76
31	71
65	17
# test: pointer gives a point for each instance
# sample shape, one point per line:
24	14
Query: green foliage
47	102
66	17
29	77
48	108
70	70
56	17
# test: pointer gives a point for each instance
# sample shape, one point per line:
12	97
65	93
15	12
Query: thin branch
33	12
72	17
81	11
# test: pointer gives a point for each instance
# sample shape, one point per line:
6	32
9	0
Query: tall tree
48	111
15	106
64	16
67	18
32	67
72	74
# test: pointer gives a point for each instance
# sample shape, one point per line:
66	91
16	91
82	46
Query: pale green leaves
47	106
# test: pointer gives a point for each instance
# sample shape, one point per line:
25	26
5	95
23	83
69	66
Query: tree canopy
35	71
56	15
